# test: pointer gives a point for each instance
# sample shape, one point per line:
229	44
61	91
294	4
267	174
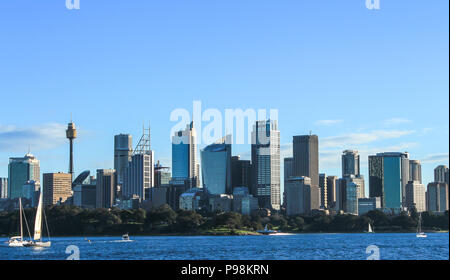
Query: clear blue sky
371	80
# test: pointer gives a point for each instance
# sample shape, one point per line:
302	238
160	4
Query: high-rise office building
30	191
306	157
350	163
353	193
241	173
415	171
56	187
415	196
301	196
323	190
439	173
123	150
388	177
345	189
266	164
216	167
288	168
138	176
3	187
184	155
21	170
331	190
162	175
105	188
437	197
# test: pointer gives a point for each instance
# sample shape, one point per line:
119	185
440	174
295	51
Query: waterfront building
56	187
415	171
350	163
437	197
266	164
123	150
220	202
243	201
162	175
106	188
439	173
323	191
30	191
388	176
306	157
3	187
368	204
216	167
184	155
138	176
331	191
20	171
301	196
415	196
241	172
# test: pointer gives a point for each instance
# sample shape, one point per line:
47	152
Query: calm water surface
392	246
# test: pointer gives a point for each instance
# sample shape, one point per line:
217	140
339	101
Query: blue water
392	246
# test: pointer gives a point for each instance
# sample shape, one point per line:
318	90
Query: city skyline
363	66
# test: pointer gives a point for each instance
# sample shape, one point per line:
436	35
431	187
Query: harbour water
385	246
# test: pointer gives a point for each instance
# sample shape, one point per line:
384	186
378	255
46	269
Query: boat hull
39	244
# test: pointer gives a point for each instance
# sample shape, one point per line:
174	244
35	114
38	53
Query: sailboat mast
20	214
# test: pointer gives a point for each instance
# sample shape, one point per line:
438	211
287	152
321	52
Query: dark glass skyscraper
266	164
350	163
306	157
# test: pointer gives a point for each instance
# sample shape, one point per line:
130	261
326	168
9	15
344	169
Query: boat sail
18	241
420	233
37	239
370	229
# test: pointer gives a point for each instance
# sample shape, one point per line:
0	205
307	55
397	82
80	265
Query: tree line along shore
75	221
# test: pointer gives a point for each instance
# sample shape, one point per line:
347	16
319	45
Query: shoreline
229	234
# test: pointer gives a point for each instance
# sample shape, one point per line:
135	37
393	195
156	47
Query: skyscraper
184	155
437	197
388	177
106	188
415	196
323	190
352	193
266	164
331	190
57	188
301	196
306	157
138	176
241	171
216	167
439	173
21	170
415	171
3	187
123	151
350	163
347	195
162	175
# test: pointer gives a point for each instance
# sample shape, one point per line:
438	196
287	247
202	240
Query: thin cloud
435	158
327	122
354	139
41	137
394	121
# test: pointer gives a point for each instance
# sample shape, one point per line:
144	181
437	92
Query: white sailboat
18	241
37	239
370	229
420	233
